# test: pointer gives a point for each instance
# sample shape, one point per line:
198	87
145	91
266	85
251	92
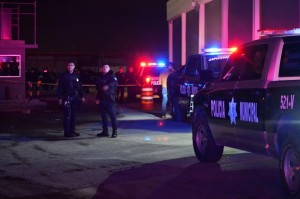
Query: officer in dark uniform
106	99
121	77
70	96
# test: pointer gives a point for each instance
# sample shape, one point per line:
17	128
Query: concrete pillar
224	23
183	38
6	24
201	27
171	40
256	19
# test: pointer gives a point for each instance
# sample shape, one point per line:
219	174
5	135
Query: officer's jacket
69	86
110	80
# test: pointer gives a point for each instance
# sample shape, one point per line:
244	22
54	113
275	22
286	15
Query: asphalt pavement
151	158
42	113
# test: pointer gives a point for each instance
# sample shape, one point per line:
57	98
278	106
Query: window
10	66
193	66
246	64
290	60
233	68
206	67
151	71
215	64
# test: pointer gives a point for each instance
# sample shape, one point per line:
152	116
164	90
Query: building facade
13	46
198	24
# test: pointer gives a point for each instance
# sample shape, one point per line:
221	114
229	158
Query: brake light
147	79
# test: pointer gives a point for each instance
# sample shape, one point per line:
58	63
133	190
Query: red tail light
147	79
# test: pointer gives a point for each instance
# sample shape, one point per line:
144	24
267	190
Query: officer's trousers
108	107
164	100
70	110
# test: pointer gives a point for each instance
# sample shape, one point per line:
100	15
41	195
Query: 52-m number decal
287	102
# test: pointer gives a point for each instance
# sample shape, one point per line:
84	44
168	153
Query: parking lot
150	158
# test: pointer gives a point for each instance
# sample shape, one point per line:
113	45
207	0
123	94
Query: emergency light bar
274	32
218	50
158	64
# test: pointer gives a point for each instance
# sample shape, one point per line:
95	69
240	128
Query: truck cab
199	70
254	106
148	75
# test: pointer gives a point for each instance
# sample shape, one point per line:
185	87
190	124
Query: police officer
70	96
131	79
106	98
163	80
121	77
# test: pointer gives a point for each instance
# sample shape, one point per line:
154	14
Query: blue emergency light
161	64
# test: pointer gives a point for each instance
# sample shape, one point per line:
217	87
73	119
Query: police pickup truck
254	106
198	70
148	75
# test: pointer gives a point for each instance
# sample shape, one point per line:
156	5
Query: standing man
70	96
121	77
163	80
106	99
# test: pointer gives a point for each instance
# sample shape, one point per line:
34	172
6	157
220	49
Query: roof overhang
176	7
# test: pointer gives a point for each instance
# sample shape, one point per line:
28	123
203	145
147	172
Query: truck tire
178	114
290	167
204	145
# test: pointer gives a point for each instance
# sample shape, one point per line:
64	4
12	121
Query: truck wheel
177	111
290	167
204	145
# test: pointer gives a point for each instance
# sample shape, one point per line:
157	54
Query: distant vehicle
148	75
198	70
254	106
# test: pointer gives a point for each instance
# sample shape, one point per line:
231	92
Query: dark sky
104	26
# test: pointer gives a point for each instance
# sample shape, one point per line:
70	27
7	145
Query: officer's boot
104	133
114	133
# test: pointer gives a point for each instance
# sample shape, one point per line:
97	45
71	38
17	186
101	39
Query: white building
197	24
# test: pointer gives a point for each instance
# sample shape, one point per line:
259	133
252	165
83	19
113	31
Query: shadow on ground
196	180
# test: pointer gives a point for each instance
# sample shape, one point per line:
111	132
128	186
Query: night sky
102	26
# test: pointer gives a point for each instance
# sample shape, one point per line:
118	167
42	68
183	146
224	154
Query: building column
171	41
183	38
201	27
224	23
5	24
255	19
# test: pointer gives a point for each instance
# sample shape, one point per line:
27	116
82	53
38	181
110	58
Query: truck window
152	71
206	64
193	66
246	64
290	60
233	68
215	64
254	58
